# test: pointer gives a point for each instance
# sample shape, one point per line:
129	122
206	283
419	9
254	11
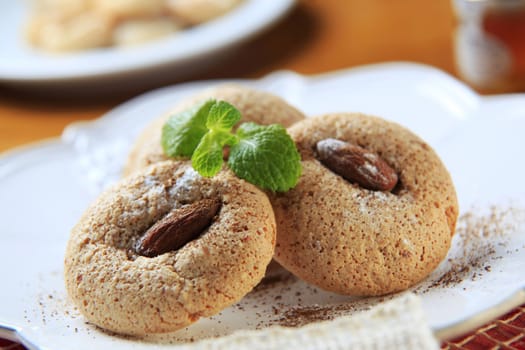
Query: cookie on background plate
165	246
255	106
341	232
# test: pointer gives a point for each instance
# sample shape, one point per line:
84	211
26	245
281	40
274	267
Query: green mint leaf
222	116
249	128
263	155
183	131
266	156
207	158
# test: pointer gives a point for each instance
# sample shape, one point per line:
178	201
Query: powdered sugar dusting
186	188
155	193
154	188
369	201
148	199
368	168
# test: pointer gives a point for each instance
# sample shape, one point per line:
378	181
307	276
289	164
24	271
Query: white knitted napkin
397	324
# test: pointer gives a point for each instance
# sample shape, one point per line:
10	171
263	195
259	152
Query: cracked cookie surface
119	290
351	240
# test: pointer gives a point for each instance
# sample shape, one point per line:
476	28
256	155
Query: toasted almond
356	164
177	228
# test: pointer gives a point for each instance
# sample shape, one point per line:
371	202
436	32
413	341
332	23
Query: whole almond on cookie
356	164
177	228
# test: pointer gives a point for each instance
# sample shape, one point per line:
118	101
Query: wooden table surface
317	36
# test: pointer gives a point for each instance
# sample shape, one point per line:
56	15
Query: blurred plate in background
177	56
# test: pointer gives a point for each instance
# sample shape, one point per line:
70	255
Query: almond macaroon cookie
374	211
165	246
255	106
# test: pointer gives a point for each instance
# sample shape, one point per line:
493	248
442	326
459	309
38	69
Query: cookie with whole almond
165	247
254	105
374	211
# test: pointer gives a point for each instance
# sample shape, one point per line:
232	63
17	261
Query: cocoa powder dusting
300	316
477	239
483	238
478	242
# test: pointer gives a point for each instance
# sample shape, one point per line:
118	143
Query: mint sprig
263	155
222	116
207	158
182	133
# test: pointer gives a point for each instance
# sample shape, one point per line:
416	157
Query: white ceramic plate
44	188
188	51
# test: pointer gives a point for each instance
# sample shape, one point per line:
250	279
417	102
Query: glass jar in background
490	44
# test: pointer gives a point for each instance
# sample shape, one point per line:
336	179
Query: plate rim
277	10
465	90
446	333
442	333
473	322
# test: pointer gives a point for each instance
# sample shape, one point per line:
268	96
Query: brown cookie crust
350	240
118	290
